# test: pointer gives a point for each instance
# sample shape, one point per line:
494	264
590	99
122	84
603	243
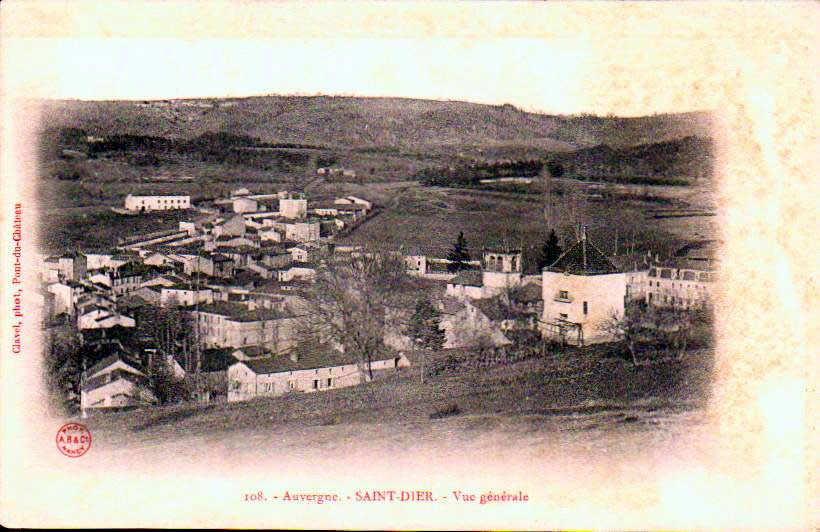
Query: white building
243	205
185	295
115	381
276	376
500	273
103	319
156	203
223	324
682	284
582	289
293	207
302	231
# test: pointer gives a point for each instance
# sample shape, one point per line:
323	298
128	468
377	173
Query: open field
568	391
430	218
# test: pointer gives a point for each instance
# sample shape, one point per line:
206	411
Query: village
216	309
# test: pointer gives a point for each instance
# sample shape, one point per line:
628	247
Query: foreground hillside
579	390
359	122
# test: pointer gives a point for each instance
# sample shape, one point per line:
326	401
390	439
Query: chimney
583	232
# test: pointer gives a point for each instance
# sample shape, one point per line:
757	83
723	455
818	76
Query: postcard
481	265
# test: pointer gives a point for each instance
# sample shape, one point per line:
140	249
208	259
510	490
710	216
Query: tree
459	255
555	168
63	368
348	302
172	330
627	328
424	326
164	384
674	328
550	251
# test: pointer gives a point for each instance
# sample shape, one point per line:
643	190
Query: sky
630	59
532	73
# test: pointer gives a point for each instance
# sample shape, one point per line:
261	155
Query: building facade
582	289
146	203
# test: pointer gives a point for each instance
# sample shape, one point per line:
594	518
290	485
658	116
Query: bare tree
348	302
626	328
171	329
674	326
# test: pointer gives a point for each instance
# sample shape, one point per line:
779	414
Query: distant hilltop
353	122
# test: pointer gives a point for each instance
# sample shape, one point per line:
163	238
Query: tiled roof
583	258
239	312
112	359
467	278
494	309
217	359
284	363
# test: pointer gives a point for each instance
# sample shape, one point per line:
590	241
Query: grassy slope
567	384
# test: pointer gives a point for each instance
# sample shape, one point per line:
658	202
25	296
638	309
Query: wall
675	291
603	294
157	203
244	384
469	327
293	208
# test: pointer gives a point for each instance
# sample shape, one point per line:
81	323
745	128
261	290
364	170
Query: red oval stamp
73	439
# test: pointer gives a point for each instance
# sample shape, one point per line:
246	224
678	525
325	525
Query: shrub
451	410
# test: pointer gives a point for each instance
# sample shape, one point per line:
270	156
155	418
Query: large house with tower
582	289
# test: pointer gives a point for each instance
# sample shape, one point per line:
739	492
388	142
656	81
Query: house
243	205
115	381
581	290
101	318
466	284
213	373
233	226
302	271
94	300
126	278
275	257
293	206
185	295
308	231
299	253
158	259
66	295
271	377
223	324
214	265
466	325
148	203
271	234
70	266
502	267
240	192
500	273
683	284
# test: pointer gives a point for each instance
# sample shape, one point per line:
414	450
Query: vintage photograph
407	266
339	260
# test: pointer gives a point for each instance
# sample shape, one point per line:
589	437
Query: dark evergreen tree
550	251
555	168
458	255
424	326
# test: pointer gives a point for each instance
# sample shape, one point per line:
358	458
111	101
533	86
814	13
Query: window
563	294
291	385
563	316
585	308
329	382
315	384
